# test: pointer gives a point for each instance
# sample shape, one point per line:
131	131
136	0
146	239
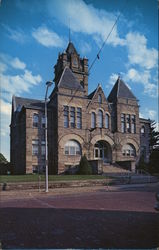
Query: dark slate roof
90	96
71	48
69	81
20	102
120	90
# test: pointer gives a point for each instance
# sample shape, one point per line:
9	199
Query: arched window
100	98
93	120
72	147
128	150
142	130
107	121
100	118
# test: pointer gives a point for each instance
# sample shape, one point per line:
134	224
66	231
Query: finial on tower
69	32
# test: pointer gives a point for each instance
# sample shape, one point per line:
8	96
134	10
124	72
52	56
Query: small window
107	121
35	120
142	131
100	98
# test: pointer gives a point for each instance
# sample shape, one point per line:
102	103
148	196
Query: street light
48	84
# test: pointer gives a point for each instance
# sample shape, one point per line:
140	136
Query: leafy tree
84	166
3	159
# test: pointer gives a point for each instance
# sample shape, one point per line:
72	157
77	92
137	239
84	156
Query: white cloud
17	35
151	113
139	53
47	38
86	19
5	107
142	77
17	83
85	48
113	78
17	64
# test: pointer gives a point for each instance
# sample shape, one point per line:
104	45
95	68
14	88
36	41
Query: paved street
97	217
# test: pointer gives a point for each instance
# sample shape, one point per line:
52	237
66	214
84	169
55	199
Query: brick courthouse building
106	130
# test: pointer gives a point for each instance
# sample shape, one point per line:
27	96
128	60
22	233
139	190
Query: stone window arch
72	147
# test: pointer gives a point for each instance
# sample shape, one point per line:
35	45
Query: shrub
84	166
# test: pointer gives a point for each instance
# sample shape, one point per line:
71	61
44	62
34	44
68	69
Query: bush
84	166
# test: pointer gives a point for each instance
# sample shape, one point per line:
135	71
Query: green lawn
35	177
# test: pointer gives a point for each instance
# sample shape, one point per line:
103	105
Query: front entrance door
102	151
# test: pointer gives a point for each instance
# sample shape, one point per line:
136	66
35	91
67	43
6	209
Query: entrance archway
102	151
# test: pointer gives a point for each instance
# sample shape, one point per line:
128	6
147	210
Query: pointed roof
120	90
68	80
19	102
90	96
71	48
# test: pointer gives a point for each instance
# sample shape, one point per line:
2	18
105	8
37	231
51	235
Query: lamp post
48	84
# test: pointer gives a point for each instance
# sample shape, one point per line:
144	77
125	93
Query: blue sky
34	32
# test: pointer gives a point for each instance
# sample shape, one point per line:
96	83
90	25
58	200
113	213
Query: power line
97	56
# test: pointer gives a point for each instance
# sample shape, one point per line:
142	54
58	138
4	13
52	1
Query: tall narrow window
128	128
35	147
66	116
123	123
79	118
93	120
35	120
43	122
43	148
72	117
107	121
100	119
100	98
133	124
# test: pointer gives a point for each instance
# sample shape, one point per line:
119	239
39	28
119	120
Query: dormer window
100	98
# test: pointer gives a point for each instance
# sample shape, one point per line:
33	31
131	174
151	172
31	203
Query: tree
3	159
154	149
154	161
141	164
84	166
154	136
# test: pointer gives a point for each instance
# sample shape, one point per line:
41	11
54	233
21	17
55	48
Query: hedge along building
104	129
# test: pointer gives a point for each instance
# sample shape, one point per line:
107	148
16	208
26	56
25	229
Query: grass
35	178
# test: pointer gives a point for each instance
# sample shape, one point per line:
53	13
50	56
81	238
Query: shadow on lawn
77	228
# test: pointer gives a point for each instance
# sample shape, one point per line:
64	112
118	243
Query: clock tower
79	66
